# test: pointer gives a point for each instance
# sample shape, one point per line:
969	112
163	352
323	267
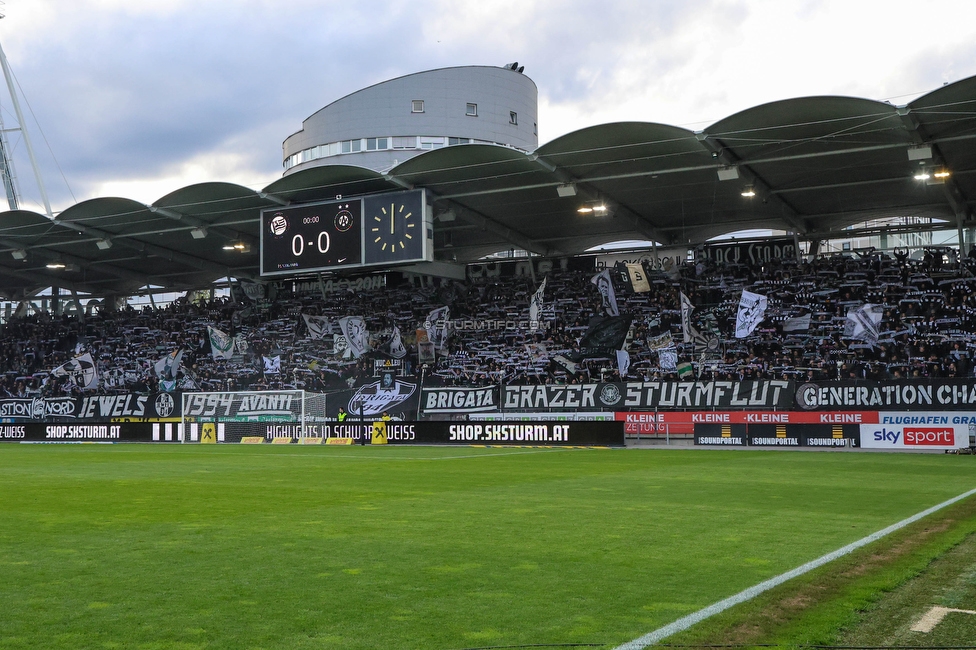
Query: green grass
949	581
287	547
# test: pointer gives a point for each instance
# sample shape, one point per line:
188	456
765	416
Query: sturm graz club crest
164	405
278	225
372	399
610	395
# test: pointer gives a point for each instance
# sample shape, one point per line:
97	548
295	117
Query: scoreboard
381	229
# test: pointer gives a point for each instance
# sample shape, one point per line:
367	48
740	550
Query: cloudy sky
137	98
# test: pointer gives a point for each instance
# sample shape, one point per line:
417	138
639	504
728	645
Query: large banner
752	252
460	400
153	406
921	394
766	394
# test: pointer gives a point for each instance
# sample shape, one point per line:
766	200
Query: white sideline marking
934	616
685	622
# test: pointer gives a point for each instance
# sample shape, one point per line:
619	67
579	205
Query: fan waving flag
81	372
221	344
688	331
638	279
436	326
354	329
394	347
797	324
752	311
862	323
605	337
605	286
168	366
272	365
318	326
535	305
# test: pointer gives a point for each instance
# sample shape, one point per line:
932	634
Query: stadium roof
816	164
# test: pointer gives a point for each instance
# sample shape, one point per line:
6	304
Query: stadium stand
926	330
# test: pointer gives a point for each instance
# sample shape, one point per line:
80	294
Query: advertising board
538	433
919	430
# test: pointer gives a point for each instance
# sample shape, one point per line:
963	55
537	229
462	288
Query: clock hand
391	219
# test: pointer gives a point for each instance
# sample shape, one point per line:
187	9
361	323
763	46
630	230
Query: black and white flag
169	365
660	342
752	311
436	326
81	371
605	286
797	324
688	331
566	363
221	344
667	359
318	326
395	347
272	365
535	305
638	279
862	323
354	329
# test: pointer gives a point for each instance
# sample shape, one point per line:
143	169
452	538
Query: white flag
81	371
862	323
605	286
318	326
221	345
623	362
798	324
169	365
688	331
667	359
340	347
752	310
397	349
272	365
535	305
660	342
354	329
436	326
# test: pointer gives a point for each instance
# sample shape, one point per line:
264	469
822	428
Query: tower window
417	106
471	110
512	117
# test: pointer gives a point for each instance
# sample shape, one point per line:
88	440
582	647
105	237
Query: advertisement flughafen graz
929	414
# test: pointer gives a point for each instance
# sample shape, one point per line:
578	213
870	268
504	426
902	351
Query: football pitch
139	546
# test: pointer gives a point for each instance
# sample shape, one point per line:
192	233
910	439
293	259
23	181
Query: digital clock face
311	237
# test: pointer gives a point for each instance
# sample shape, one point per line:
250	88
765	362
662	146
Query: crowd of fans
927	329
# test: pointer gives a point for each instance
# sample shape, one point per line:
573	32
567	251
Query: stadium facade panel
390	122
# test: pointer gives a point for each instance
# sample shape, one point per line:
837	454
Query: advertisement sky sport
377	230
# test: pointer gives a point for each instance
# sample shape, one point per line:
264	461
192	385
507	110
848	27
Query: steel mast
7	176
